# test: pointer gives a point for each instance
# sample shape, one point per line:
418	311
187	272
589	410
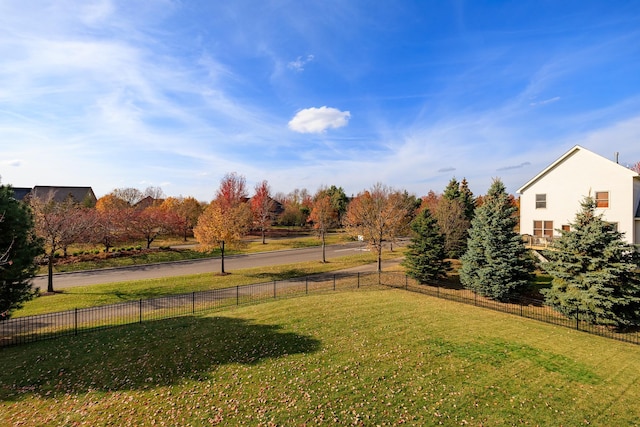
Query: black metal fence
73	322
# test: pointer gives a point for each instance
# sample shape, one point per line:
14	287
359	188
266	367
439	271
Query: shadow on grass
281	275
143	356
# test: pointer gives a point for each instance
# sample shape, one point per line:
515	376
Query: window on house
602	199
541	201
566	227
543	228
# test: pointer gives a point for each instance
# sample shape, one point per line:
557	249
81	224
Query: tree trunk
380	257
263	241
50	272
222	257
324	259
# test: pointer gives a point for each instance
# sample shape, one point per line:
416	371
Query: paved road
181	268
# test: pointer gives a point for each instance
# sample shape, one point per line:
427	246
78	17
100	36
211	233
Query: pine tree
594	271
496	263
425	256
467	199
18	248
452	190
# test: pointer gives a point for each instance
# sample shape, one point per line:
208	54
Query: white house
551	199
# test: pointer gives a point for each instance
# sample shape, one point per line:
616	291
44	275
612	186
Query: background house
551	199
82	195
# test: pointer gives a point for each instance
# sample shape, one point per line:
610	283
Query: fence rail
73	322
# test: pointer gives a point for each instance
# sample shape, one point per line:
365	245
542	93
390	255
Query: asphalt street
209	265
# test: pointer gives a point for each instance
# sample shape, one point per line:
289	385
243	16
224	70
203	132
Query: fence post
237	294
358	280
140	305
274	289
577	318
521	307
334	282
406	282
75	322
306	284
193	303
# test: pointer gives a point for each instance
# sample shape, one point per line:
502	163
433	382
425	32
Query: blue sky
308	93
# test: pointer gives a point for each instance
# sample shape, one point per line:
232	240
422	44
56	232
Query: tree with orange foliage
376	215
227	218
323	216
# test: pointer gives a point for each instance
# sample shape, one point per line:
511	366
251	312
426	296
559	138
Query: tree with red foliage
261	206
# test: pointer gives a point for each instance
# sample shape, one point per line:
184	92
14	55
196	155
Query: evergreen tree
594	271
19	247
425	256
452	190
467	199
496	263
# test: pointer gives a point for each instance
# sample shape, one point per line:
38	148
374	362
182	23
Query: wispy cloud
318	120
299	63
545	102
520	166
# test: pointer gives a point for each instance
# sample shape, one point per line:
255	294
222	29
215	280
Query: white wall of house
579	173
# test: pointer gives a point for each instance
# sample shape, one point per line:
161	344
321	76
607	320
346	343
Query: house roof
560	160
19	193
60	194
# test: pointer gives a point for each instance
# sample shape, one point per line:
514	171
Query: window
602	199
566	227
541	201
543	228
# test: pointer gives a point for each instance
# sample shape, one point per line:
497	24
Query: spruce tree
496	263
425	256
18	248
594	272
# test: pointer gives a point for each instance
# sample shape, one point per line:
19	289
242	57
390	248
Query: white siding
567	182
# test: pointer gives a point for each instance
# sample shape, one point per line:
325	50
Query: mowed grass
186	251
368	357
111	293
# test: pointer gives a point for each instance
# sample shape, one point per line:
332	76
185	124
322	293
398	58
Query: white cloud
299	63
318	120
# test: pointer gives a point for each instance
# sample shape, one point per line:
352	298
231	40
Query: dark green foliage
496	263
339	199
452	190
18	248
594	271
467	199
425	256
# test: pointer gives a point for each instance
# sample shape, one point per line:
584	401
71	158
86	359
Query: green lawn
369	357
167	254
95	295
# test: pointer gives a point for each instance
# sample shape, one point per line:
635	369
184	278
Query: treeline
594	271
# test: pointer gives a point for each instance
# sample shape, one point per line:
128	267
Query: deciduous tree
594	271
323	216
375	215
59	224
453	224
151	222
227	219
19	247
496	263
262	207
188	209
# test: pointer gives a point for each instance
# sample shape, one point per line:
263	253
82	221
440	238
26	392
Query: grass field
186	250
373	357
111	293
